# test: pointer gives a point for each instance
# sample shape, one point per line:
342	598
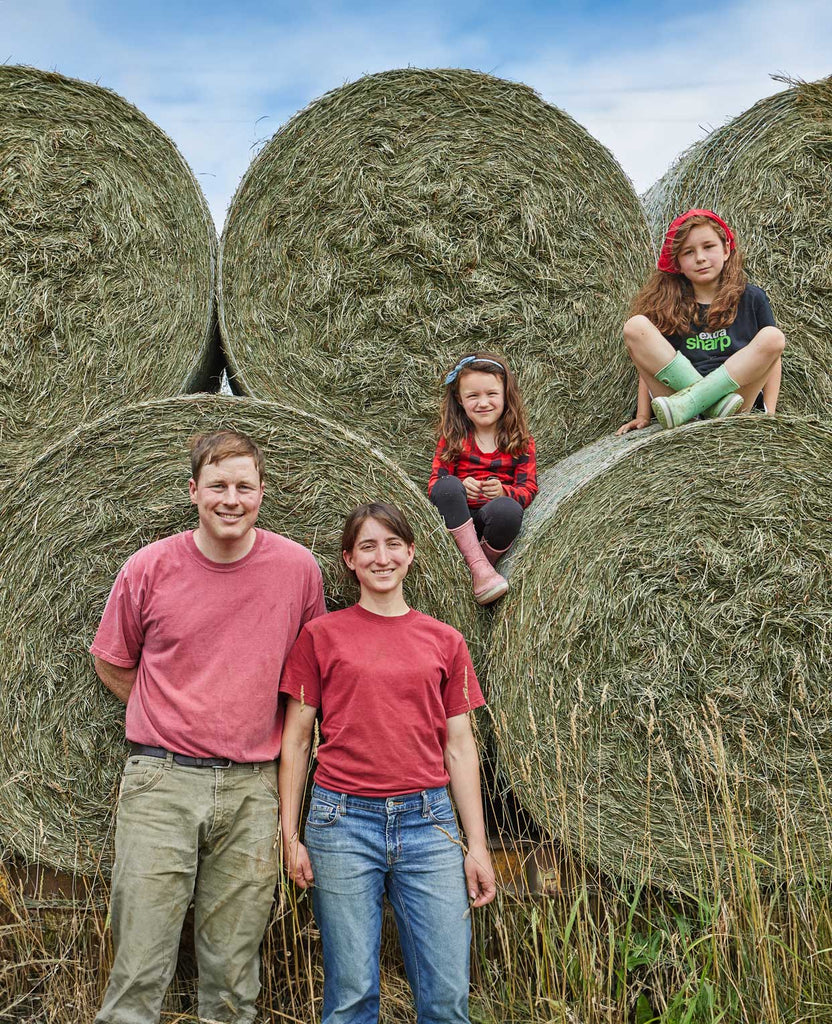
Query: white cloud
220	95
694	75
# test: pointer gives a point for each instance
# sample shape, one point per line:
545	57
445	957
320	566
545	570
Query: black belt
183	759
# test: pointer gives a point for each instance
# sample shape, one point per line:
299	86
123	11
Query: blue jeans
408	847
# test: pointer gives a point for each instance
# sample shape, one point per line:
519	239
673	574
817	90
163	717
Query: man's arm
294	762
463	765
114	677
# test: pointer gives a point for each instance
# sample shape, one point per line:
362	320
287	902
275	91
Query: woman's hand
492	488
298	865
473	488
479	876
639	423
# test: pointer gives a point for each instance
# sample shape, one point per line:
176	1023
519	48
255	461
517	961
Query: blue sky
647	79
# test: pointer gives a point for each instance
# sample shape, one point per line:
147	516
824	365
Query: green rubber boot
726	406
680	373
673	410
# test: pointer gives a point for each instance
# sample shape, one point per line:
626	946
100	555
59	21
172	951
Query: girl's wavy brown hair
668	301
512	428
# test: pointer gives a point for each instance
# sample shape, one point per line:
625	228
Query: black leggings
498	521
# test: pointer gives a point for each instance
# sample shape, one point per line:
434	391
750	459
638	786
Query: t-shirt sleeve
313	605
301	676
462	691
120	634
762	310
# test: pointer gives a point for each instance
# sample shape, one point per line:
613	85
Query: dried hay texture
80	511
412	216
659	671
107	254
767	174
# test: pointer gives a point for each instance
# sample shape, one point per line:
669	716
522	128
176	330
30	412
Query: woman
395	689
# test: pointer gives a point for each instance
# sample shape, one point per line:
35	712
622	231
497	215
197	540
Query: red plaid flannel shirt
517	473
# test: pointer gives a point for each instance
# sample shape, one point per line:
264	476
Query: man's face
228	495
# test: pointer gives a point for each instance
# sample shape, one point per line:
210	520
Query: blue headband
452	376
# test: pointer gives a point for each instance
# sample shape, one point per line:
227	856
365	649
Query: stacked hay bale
107	256
413	216
767	174
659	673
88	504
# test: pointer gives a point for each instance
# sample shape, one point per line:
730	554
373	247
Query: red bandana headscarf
666	261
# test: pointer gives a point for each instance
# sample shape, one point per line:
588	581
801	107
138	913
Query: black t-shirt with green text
708	349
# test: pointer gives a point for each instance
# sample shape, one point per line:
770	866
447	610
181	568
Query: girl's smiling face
702	256
482	397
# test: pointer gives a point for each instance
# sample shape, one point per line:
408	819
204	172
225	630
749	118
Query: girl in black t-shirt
701	337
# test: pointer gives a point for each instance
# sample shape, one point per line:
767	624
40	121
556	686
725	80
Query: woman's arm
463	765
291	781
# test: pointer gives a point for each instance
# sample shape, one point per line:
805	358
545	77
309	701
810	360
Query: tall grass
561	943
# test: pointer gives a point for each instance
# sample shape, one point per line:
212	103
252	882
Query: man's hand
479	876
298	865
492	488
473	488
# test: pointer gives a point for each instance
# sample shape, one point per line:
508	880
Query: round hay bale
767	173
107	254
659	671
409	217
79	512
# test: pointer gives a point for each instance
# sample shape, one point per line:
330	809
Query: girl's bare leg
649	350
752	365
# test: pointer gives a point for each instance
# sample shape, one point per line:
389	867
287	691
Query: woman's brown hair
388	515
454	425
668	300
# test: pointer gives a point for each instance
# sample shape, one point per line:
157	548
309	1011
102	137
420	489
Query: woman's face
379	558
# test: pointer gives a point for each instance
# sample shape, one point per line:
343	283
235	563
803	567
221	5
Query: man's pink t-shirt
386	686
210	640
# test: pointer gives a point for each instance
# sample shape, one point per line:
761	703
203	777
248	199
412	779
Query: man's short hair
207	449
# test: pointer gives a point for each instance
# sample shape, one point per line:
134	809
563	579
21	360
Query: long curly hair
668	300
512	427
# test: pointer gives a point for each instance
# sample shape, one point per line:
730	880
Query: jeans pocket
321	814
267	783
140	778
441	812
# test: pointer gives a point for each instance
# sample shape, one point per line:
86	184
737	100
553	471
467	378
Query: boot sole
663	413
731	408
492	594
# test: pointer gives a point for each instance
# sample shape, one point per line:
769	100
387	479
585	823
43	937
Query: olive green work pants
182	834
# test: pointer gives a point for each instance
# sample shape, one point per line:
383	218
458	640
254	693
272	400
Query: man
193	639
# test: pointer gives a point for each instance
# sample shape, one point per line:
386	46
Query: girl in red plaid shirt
484	473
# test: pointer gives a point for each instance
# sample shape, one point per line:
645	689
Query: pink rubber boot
492	554
488	584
